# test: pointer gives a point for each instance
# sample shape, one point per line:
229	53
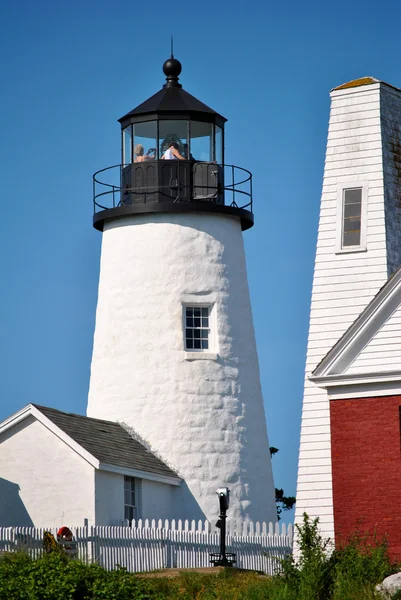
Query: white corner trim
368	389
140	474
31	410
345	185
344	352
200	355
15	418
366	379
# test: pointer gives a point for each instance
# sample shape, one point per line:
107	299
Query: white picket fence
146	546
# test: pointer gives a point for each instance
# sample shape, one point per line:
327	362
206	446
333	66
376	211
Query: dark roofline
172	100
42	407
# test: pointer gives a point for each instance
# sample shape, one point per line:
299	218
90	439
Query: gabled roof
333	367
104	444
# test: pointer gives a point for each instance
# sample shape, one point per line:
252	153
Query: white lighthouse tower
174	352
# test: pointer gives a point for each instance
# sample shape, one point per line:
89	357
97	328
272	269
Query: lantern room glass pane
173	132
127	145
219	145
201	141
145	141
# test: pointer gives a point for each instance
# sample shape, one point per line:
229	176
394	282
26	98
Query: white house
350	456
58	469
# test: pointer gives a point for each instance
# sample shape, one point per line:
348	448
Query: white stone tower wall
344	282
204	417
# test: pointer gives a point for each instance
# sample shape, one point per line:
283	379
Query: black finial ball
172	67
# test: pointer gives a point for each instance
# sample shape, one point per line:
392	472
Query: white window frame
124	146
346	185
137	488
200	353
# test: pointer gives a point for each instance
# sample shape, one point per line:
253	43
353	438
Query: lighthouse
174	354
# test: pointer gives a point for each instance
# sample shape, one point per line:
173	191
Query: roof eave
133	117
141	474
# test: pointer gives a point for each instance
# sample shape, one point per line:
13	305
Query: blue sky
69	70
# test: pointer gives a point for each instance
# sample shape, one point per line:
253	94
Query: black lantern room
172	161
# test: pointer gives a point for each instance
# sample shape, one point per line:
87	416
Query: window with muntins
130	507
197	328
352	213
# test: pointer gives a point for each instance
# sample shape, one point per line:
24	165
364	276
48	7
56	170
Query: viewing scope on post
223	558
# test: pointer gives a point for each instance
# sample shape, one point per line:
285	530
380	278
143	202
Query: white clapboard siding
363	146
149	545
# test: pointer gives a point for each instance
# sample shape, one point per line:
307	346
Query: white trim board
363	390
140	474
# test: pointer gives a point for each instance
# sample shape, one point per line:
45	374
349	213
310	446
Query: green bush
312	576
361	564
14	571
57	577
323	573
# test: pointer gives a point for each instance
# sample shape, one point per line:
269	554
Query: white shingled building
175	369
350	441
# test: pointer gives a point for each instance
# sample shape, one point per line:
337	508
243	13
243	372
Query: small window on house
197	328
352	212
130	499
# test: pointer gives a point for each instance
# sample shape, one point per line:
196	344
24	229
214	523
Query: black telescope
223	558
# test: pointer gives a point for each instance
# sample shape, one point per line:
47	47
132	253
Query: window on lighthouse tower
197	328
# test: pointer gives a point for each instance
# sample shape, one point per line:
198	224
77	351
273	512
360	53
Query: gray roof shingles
107	441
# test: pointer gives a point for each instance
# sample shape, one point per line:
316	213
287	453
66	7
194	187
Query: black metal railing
120	185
